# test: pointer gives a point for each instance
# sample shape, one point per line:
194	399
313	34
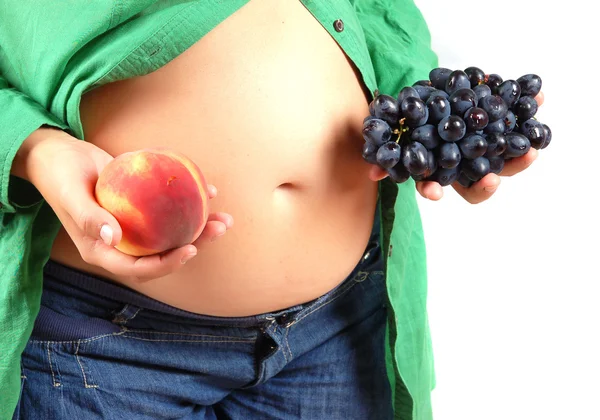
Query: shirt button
338	25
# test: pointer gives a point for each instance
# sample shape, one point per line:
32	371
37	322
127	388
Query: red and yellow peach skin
158	196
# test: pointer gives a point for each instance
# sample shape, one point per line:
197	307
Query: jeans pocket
197	335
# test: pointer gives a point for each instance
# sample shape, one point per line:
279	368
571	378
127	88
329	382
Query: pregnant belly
271	110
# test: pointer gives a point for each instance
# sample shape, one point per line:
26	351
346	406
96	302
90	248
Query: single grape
423	82
493	81
464	180
458	79
427	135
510	121
531	84
516	145
398	173
420	177
496	164
431	163
414	157
386	108
438	92
424	91
525	108
475	169
461	100
439	107
534	131
368	118
482	91
376	131
439	77
495	107
445	176
476	76
407	92
414	111
472	146
431	167
452	128
449	155
548	135
476	119
497	126
388	154
369	152
496	144
510	91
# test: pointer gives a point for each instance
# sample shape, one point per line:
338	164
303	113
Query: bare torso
271	110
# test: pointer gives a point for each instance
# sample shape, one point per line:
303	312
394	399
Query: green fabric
53	52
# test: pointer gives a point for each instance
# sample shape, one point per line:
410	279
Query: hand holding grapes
459	128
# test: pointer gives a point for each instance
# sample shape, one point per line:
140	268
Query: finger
101	159
212	191
157	265
138	268
225	218
539	98
211	232
92	220
516	165
479	191
377	173
430	190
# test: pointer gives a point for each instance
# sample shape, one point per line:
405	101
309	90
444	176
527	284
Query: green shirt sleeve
19	300
19	117
399	42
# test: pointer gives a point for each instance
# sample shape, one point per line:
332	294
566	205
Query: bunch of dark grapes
459	125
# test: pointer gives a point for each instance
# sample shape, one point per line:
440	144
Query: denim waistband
88	287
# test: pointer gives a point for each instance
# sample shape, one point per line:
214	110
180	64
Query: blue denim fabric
102	351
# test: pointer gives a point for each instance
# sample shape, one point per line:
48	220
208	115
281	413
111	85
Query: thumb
91	219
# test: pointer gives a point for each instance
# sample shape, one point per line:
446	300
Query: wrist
23	162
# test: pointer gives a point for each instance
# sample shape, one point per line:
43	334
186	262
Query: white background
514	282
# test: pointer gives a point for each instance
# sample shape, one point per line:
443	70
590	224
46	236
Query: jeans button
285	320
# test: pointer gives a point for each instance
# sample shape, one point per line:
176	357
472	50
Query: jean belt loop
126	314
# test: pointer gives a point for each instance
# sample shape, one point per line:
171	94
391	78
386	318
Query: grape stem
403	129
399	133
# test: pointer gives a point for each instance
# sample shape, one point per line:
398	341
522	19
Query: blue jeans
102	351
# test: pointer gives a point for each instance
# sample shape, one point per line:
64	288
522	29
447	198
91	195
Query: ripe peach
158	196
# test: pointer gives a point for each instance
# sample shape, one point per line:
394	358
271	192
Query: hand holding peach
65	170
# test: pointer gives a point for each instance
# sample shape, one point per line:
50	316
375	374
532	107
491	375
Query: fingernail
187	257
106	234
490	189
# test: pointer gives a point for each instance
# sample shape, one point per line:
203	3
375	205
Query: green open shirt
51	52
